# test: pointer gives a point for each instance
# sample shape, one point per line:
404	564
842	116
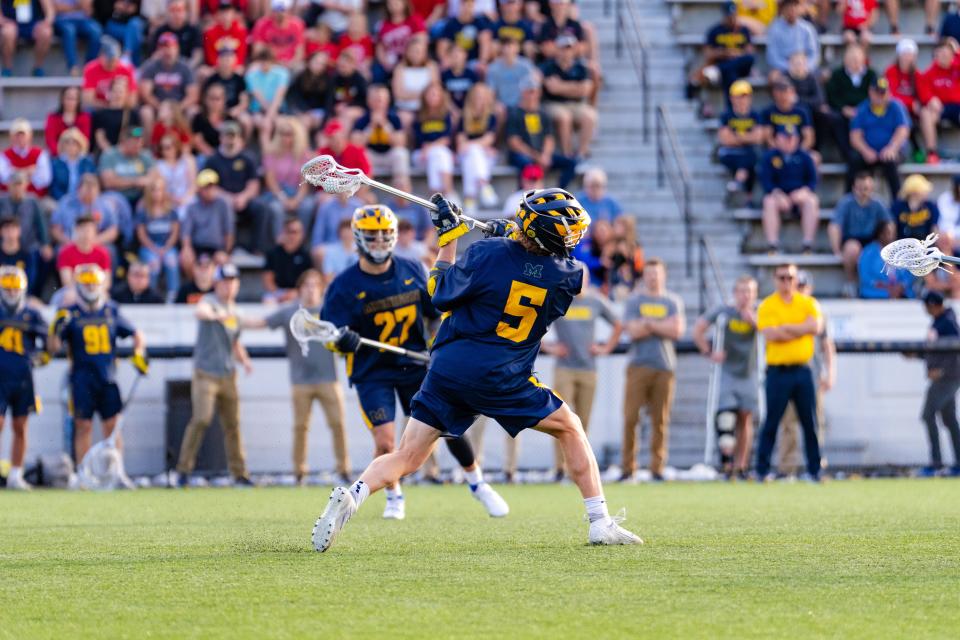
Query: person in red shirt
227	31
859	16
357	40
334	142
902	76
210	7
83	250
68	115
282	32
23	156
939	92
397	28
98	76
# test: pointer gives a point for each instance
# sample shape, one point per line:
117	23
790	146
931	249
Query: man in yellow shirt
789	320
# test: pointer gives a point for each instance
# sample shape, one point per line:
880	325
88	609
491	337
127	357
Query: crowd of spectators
182	144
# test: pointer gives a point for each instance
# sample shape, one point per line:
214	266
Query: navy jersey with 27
91	338
21	334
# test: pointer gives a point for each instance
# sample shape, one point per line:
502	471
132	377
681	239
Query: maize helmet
13	287
91	282
375	231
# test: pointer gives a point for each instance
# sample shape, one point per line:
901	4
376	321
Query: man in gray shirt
312	376
854	226
737	395
508	72
654	319
208	224
575	375
215	356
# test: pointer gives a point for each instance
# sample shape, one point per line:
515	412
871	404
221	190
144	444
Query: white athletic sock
15	473
394	494
596	508
474	478
360	491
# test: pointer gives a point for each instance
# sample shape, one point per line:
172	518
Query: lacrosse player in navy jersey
22	330
498	301
90	329
384	297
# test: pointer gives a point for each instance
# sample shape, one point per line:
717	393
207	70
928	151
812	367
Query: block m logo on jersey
533	270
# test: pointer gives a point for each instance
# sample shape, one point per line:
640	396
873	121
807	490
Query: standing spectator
99	75
788	34
12	251
737	400
877	281
458	78
846	90
878	133
854	226
126	25
432	138
214	385
654	320
83	250
380	131
943	371
939	92
31	22
915	214
787	112
187	33
530	137
166	77
313	377
311	91
788	321
508	72
476	147
575	374
68	115
23	156
158	231
349	89
411	77
739	135
88	201
137	288
566	89
281	32
69	164
267	84
337	145
469	31
200	283
513	27
226	32
789	179
399	26
117	115
179	170
727	54
208	226
286	262
74	18
286	193
595	199
124	168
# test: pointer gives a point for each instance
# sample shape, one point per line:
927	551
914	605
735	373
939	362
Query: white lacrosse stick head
919	257
306	328
330	176
101	466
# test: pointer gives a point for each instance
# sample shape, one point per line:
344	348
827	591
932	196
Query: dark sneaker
243	481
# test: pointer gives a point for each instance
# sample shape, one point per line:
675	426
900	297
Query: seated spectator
267	84
789	179
338	256
914	213
333	16
476	148
126	25
380	131
512	26
756	15
208	227
407	244
949	206
858	18
414	214
29	22
336	143
200	282
286	193
73	19
787	112
566	89
399	26
19	203
810	95
207	123
595	199
137	289
846	90
166	76
124	168
68	115
470	32
877	281
349	95
158	231
227	75
507	73
83	249
854	226
357	40
70	163
903	78
740	133
23	156
939	92
286	262
282	32
458	78
878	133
171	121
179	171
99	75
12	251
88	201
531	177
530	137
227	31
727	54
562	21
331	213
109	121
412	75
788	34
432	12
433	137
187	33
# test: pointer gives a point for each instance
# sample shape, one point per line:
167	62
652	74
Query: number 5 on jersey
523	303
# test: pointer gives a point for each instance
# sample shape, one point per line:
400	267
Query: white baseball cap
906	45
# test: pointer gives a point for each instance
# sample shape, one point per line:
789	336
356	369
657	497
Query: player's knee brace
726	422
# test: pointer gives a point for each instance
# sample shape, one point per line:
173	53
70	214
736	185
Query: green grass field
852	560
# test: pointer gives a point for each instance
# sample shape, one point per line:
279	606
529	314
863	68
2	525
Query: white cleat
339	509
18	484
396	509
609	531
495	505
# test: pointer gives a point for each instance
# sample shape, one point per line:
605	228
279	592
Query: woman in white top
949	205
476	147
179	170
410	77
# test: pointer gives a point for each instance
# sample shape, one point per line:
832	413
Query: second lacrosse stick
306	328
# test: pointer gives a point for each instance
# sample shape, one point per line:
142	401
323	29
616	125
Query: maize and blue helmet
90	281
553	220
13	288
375	231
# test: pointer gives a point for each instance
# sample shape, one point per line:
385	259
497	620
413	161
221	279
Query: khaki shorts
577	110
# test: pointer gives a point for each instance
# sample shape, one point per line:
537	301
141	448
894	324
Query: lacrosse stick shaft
418	200
950	259
413	355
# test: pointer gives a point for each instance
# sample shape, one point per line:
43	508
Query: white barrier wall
874	408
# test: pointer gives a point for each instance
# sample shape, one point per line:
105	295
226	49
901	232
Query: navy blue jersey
21	332
501	300
391	307
915	223
797	118
91	338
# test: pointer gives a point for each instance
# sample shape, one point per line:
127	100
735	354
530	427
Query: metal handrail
681	182
708	262
638	47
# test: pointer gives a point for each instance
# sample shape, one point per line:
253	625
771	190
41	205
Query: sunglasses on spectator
786	277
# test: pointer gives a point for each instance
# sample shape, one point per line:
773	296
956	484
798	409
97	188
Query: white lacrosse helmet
375	230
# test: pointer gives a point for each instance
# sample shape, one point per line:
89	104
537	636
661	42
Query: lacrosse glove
447	220
41	359
499	228
348	342
140	362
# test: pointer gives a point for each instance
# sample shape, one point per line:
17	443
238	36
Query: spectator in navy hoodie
789	179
